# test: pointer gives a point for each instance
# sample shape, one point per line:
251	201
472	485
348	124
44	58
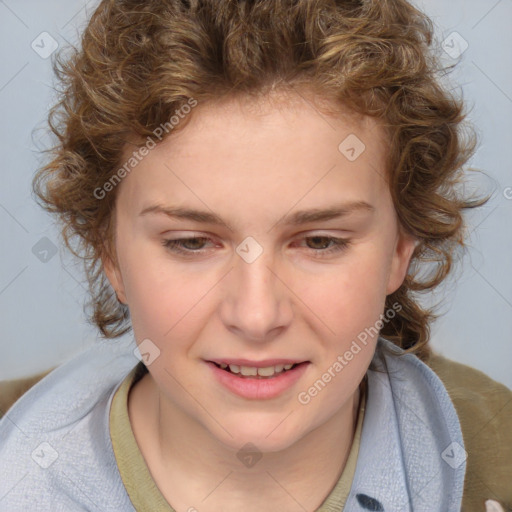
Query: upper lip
256	364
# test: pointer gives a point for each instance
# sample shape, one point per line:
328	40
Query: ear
113	273
402	254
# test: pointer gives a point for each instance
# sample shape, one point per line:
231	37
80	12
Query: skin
252	163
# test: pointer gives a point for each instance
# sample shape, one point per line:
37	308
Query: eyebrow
294	219
323	214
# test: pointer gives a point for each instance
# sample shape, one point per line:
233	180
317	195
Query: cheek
351	297
161	298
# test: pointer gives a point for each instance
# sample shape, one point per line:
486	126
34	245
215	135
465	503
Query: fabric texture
11	390
56	452
409	429
484	407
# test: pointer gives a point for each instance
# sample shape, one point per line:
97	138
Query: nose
257	303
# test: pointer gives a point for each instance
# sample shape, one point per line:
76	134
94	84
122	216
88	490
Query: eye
186	246
323	244
319	244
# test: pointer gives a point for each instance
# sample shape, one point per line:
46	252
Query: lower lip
259	389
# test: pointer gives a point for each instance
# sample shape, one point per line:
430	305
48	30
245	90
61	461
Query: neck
192	466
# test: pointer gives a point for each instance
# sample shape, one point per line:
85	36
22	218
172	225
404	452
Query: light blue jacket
56	453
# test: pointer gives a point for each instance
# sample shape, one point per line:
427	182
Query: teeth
266	372
252	371
248	370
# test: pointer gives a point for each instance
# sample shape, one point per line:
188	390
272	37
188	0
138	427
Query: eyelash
176	245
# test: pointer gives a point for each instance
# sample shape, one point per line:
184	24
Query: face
252	238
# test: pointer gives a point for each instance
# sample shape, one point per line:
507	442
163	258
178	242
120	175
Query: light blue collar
411	456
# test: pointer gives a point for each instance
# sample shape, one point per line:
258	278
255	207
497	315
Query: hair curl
139	62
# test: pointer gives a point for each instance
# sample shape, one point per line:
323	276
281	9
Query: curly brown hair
140	62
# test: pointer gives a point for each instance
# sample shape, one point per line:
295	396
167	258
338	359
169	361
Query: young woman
258	189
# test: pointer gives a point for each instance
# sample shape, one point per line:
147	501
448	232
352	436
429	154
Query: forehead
289	115
279	149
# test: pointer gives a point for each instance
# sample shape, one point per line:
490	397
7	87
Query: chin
262	434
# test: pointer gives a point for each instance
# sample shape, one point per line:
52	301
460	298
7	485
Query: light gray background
41	302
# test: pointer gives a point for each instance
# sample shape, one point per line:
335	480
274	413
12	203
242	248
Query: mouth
258	380
257	372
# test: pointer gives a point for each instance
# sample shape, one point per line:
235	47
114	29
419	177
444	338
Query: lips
246	381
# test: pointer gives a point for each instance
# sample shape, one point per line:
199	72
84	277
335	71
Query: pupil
194	243
318	240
